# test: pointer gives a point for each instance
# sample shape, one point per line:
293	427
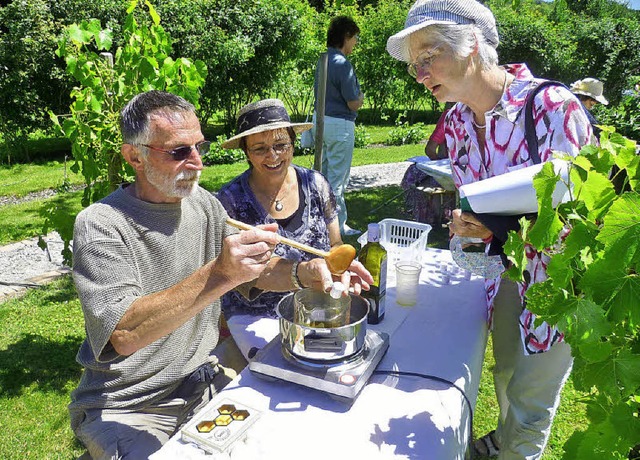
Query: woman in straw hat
590	93
450	48
273	189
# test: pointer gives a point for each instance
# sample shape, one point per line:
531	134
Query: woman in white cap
450	48
273	189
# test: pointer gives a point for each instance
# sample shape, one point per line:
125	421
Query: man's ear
133	156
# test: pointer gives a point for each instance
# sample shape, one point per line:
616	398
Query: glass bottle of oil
374	257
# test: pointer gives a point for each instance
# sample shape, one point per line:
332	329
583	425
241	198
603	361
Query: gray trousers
528	387
124	434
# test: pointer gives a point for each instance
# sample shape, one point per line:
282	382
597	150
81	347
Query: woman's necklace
504	88
277	203
278	206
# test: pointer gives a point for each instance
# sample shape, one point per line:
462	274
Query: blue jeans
337	153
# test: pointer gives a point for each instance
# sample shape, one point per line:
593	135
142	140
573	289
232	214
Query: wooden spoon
338	258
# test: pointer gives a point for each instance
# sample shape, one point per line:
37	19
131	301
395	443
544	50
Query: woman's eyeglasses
265	149
423	62
183	152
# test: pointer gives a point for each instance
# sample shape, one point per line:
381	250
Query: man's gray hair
462	41
135	116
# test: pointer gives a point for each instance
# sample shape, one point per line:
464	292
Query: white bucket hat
424	13
590	87
261	116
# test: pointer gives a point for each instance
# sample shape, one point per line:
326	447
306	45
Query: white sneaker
348	231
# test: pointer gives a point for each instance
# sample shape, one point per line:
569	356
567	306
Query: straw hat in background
590	87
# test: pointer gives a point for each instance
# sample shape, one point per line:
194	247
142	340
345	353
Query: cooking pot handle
314	343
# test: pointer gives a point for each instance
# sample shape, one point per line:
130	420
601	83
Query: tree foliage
246	44
27	66
260	48
571	40
142	63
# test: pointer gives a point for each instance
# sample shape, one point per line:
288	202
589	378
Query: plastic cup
407	280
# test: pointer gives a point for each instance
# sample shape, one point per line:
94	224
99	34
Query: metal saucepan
323	344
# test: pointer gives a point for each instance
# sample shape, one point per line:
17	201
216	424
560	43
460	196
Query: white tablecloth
444	335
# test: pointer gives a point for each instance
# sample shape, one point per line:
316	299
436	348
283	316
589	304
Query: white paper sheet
512	193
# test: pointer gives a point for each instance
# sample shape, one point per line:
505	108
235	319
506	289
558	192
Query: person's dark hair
134	118
585	98
341	28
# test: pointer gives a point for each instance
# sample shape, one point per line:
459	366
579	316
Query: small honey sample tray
216	429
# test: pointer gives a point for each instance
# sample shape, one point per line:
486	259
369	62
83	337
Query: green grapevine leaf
597	193
560	270
628	371
132	6
152	12
548	225
622	222
514	250
148	67
549	304
607	282
592	352
79	35
584	320
609	439
600	159
104	39
92	26
598	374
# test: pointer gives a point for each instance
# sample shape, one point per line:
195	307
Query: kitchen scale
342	379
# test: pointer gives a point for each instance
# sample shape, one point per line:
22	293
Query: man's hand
466	224
245	255
315	274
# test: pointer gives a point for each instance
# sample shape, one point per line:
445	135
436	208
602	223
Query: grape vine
593	289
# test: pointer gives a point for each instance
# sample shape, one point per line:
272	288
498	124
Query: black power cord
447	382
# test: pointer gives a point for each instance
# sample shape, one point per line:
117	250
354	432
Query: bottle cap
373	232
336	290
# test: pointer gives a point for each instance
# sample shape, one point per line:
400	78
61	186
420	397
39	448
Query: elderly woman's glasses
265	149
423	62
183	152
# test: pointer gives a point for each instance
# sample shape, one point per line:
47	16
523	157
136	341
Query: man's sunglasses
183	152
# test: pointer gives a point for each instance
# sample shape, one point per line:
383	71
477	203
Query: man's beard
179	186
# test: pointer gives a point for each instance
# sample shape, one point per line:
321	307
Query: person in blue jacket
342	101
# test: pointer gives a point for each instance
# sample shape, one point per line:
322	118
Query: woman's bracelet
295	280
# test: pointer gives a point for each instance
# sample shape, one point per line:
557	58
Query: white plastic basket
397	235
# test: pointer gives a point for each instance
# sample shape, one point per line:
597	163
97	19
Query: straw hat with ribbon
424	13
590	87
261	116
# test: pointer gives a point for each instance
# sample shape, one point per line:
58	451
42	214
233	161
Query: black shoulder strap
529	125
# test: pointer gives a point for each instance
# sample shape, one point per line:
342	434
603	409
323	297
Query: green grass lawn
41	333
21	179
